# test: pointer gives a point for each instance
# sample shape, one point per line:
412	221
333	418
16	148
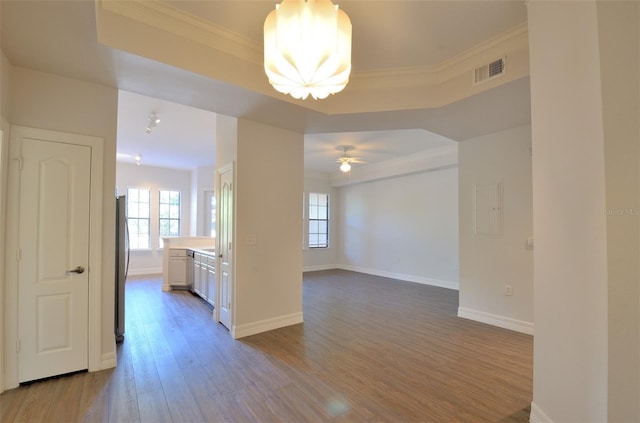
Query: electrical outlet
508	290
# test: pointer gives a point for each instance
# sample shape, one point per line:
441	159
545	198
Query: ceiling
387	35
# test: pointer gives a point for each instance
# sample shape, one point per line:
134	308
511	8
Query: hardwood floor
371	349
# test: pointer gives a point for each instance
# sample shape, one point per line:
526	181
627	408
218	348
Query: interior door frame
17	133
229	167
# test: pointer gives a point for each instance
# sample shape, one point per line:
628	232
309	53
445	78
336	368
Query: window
138	206
210	211
169	215
318	220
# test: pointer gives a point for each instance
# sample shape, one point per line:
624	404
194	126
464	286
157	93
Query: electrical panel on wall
488	209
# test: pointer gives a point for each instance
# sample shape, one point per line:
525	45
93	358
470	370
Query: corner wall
570	352
268	254
489	263
618	30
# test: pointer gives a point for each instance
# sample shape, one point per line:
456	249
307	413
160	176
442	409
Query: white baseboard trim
319	267
537	415
240	331
496	320
145	272
402	277
108	360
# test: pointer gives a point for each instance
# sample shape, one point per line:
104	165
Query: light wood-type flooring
371	349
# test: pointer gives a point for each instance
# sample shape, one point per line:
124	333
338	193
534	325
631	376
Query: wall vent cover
489	71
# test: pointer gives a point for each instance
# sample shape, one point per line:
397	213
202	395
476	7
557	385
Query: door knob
78	270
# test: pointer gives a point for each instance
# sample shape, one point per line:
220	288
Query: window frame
319	219
135	246
169	219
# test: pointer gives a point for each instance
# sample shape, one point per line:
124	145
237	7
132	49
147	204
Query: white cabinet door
178	271
203	277
178	267
197	273
211	280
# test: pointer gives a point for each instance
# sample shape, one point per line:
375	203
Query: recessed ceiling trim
517	39
425	161
234	59
167	18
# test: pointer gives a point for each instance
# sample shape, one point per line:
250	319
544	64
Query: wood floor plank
371	349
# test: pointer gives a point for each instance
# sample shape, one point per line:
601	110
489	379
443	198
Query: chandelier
307	48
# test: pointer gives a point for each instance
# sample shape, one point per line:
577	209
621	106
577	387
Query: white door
225	240
54	256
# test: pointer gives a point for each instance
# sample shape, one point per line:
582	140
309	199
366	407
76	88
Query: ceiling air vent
489	71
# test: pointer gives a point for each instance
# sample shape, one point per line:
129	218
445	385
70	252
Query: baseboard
320	267
496	320
402	277
108	360
537	415
240	331
145	272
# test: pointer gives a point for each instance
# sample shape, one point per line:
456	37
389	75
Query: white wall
202	180
52	102
268	205
618	29
322	258
403	227
569	214
489	263
149	262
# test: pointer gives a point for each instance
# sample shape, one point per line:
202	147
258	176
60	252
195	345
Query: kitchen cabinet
178	268
204	275
211	279
197	273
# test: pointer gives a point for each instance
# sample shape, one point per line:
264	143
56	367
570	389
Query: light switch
530	243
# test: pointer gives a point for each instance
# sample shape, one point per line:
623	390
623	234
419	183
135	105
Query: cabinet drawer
174	252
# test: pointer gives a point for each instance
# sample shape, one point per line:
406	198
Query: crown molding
170	19
195	44
422	161
512	40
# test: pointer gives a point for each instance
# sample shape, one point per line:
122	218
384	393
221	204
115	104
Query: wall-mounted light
154	120
138	159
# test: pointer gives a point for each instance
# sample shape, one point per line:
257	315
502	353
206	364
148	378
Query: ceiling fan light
307	48
345	167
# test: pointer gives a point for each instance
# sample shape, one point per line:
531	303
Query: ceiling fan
345	160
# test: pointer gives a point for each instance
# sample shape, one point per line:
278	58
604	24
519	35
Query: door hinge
19	254
18	346
20	162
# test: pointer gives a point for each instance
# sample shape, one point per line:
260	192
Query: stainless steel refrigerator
122	264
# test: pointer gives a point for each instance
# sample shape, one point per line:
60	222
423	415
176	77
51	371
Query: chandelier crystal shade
307	48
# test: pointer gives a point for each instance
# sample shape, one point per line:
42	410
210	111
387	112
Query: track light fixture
154	120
